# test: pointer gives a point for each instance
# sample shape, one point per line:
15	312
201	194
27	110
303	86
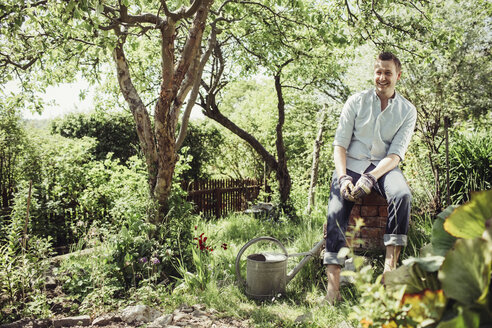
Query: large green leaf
413	276
427	263
466	318
465	273
468	220
441	240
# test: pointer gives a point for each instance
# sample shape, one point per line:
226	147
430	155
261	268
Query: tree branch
140	114
196	87
182	12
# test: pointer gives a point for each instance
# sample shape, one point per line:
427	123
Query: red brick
382	221
368	211
355	211
370	233
374	199
375	222
383	211
374	243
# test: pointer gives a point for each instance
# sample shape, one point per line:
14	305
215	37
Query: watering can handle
240	279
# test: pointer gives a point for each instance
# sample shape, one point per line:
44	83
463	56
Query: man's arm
385	165
340	160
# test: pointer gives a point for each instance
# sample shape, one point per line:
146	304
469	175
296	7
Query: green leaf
465	273
428	263
441	240
447	212
413	277
466	318
468	220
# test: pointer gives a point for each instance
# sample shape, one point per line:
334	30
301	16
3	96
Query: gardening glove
346	187
364	185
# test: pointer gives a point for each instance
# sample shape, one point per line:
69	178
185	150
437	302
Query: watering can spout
307	257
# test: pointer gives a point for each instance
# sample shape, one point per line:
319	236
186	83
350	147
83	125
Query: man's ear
399	75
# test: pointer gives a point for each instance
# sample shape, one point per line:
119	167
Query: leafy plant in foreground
455	268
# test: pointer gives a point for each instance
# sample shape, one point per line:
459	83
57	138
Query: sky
61	99
65	98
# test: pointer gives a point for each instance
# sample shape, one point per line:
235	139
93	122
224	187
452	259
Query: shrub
470	165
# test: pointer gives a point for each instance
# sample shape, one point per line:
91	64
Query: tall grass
470	165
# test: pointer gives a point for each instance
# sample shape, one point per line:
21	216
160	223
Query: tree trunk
283	176
315	165
159	145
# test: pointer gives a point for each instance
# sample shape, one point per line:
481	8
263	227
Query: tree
449	81
57	33
289	44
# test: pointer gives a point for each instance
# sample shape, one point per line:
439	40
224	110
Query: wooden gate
216	198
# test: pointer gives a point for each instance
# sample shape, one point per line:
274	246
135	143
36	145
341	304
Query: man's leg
337	221
333	288
394	188
392	254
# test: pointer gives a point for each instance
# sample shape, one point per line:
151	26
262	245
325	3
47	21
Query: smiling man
372	137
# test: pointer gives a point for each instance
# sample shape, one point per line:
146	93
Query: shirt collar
390	101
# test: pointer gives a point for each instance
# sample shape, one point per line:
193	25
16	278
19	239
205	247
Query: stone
187	309
16	324
162	321
139	313
83	320
106	319
198	313
42	323
178	316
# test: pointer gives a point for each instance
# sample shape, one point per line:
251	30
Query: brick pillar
374	210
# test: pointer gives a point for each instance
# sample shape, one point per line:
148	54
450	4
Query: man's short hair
386	55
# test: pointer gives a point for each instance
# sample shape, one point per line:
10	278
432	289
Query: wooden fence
216	198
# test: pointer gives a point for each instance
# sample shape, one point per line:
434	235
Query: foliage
23	259
462	271
448	79
202	144
114	132
15	154
470	164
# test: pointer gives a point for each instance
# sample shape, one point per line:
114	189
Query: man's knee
402	195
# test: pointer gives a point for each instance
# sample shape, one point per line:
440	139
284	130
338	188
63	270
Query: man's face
385	77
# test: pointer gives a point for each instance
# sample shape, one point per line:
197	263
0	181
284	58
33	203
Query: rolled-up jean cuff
332	258
395	240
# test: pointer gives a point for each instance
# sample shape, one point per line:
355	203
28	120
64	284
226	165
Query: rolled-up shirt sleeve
402	138
345	128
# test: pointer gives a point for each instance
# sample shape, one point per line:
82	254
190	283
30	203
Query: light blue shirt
369	134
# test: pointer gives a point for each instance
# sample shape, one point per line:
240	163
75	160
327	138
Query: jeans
391	186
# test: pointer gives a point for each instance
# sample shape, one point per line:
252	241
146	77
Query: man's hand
346	187
364	185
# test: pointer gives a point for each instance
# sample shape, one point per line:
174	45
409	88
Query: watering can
266	273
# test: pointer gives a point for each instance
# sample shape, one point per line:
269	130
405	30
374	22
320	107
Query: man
372	137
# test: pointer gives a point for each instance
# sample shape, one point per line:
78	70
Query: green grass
302	293
211	278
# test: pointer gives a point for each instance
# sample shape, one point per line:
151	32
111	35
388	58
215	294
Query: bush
470	165
114	132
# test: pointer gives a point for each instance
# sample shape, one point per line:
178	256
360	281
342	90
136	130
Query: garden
94	218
